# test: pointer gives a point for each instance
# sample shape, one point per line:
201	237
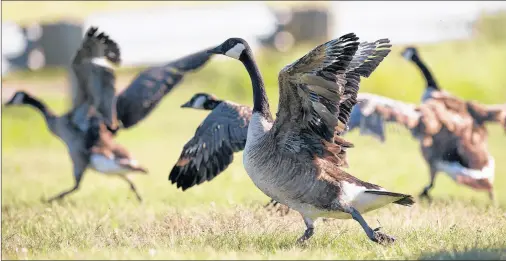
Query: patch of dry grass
82	230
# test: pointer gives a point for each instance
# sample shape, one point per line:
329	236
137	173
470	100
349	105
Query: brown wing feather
316	87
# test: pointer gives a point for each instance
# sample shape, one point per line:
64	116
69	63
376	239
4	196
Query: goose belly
281	183
106	165
455	169
302	193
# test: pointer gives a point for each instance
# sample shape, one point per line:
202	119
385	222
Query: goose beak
216	50
186	105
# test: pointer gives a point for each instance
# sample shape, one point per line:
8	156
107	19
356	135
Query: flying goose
93	148
297	159
452	133
96	82
465	159
479	113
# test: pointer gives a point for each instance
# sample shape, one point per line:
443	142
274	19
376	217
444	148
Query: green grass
223	219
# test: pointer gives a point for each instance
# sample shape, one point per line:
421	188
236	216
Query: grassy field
223	219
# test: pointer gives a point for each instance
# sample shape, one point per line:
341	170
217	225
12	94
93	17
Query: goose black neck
211	104
260	100
431	82
38	105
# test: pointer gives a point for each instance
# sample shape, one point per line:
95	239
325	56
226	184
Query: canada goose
94	148
297	159
452	134
491	114
219	136
96	81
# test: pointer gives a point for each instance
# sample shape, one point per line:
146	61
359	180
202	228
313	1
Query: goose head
232	47
409	53
202	101
20	97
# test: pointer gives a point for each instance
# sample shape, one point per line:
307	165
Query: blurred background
40	38
463	44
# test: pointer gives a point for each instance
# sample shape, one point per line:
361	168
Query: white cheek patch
407	54
199	102
236	51
101	61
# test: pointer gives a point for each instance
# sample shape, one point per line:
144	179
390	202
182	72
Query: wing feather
95	79
150	86
211	150
372	112
320	89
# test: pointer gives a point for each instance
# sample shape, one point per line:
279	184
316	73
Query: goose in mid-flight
452	131
89	126
452	134
298	159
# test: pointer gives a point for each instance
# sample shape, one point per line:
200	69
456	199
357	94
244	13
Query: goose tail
405	200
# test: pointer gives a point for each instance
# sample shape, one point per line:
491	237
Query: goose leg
77	176
491	195
309	230
425	192
373	234
132	187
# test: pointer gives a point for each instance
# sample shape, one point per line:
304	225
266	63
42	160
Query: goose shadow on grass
472	254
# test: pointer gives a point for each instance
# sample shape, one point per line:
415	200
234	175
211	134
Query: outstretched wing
319	90
364	62
372	112
95	77
151	85
211	150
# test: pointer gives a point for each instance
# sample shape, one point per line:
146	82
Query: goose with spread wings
88	128
452	134
83	127
223	133
298	159
439	123
96	79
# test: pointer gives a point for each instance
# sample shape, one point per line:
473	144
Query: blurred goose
452	134
96	81
438	123
297	159
93	148
95	103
